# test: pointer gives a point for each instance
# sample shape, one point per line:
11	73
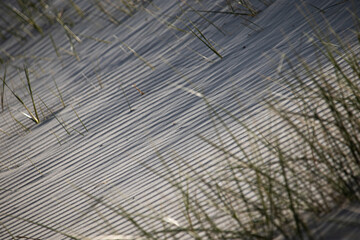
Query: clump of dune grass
38	105
301	162
301	167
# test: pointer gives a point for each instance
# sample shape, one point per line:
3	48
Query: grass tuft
30	115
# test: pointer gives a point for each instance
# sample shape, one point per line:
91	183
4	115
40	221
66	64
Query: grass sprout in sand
34	117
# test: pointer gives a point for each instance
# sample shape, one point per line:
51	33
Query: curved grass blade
44	226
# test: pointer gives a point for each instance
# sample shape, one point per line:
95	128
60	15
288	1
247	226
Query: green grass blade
31	94
54	45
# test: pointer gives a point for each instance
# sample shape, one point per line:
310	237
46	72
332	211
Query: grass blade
79	118
52	113
54	45
136	54
31	94
3	90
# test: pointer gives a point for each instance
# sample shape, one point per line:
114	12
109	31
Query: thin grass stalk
164	22
333	103
262	211
54	46
188	200
79	118
125	9
30	116
87	79
129	5
59	93
63	126
274	217
31	94
102	9
8	231
202	16
328	53
106	221
338	149
67	30
43	226
202	37
185	195
38	170
79	11
213	227
42	112
230	211
224	12
136	54
242	196
72	47
260	190
203	212
97	74
69	126
318	172
188	210
74	129
187	203
57	137
3	89
5	132
300	225
238	195
127	100
11	57
118	210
